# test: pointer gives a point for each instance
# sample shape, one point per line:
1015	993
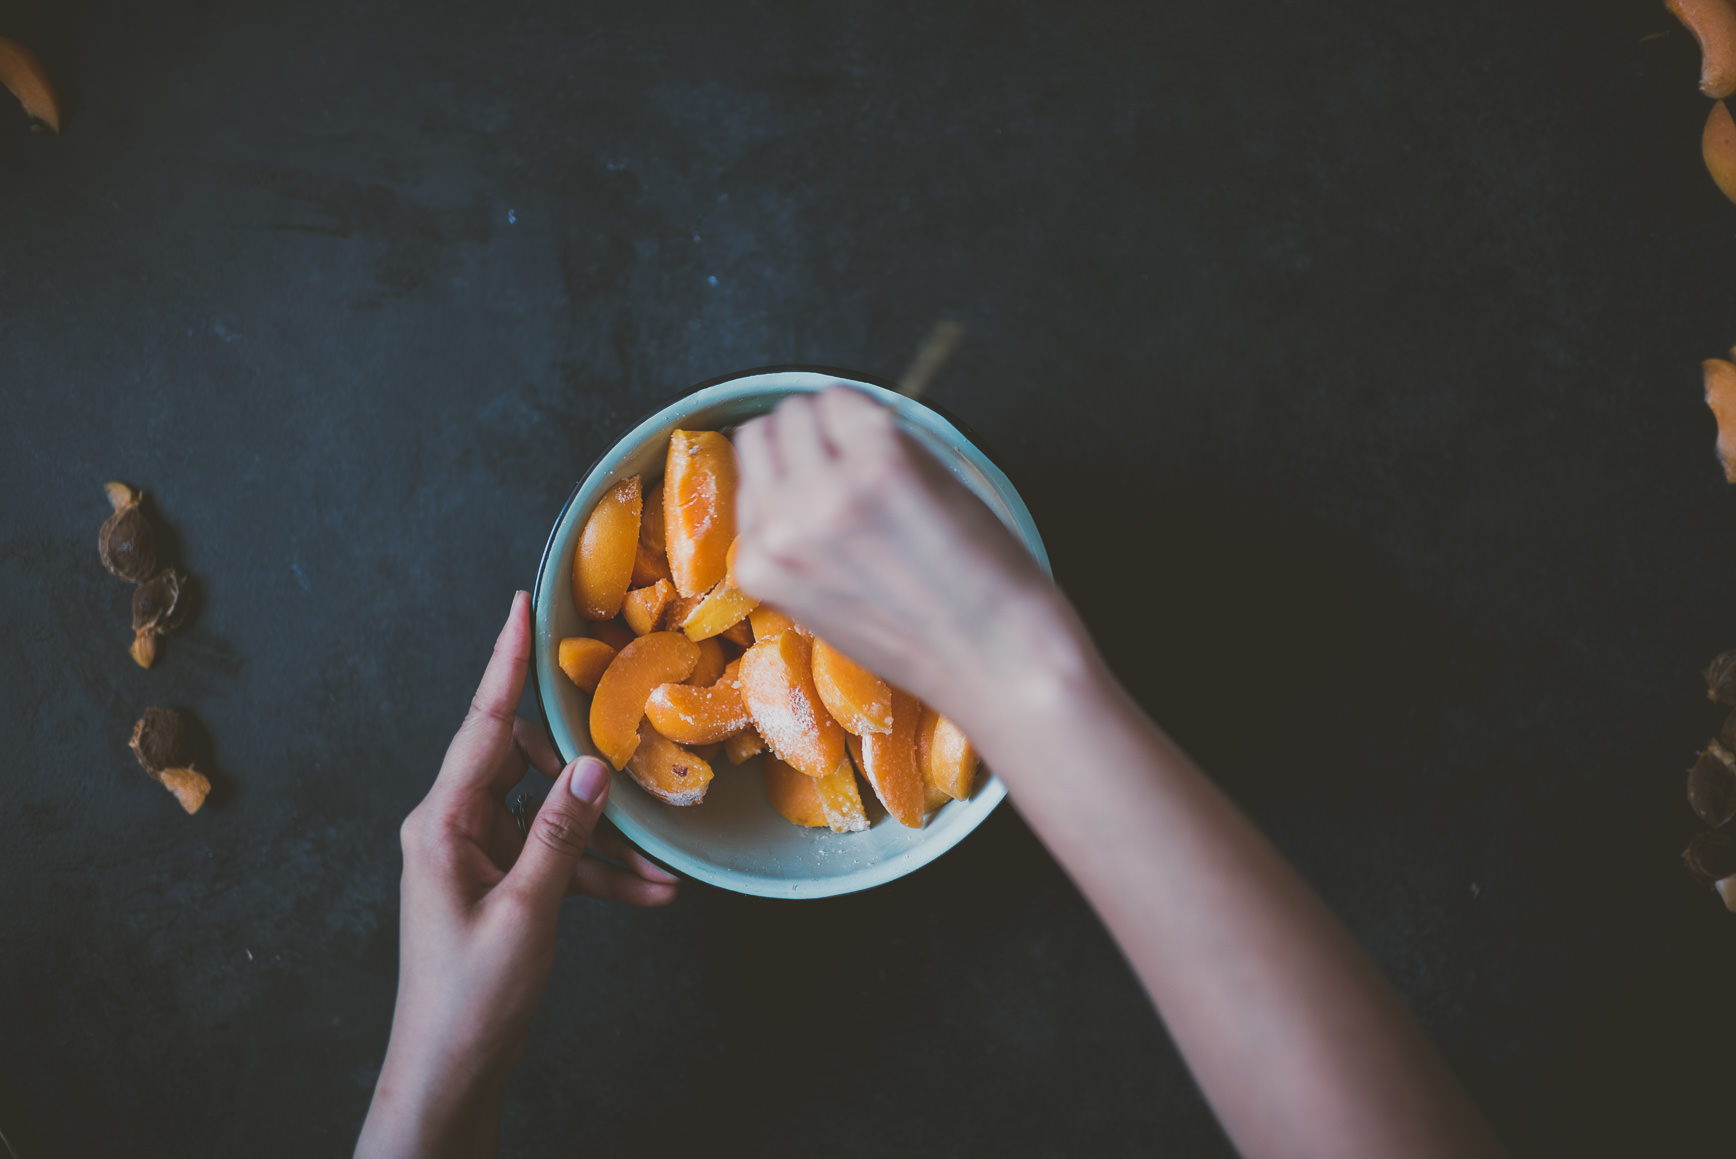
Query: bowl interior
735	839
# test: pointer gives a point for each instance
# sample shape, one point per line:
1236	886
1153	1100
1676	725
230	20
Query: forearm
417	1117
1297	1041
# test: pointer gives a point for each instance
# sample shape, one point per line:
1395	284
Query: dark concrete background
1346	351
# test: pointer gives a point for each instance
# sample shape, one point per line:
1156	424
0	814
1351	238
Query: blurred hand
480	904
853	529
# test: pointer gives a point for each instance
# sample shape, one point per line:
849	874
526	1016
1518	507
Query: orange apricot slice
649	562
21	72
1718	149
841	800
690	715
856	698
768	622
667	771
619	703
1721	397
612	634
945	755
1713	23
889	762
711	666
795	797
584	660
738	633
722	609
777	686
643	608
744	744
603	564
698	509
679	609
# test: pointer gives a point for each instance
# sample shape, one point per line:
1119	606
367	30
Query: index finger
486	734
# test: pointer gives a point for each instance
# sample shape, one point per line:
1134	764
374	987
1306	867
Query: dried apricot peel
1721	397
1713	23
22	73
1718	149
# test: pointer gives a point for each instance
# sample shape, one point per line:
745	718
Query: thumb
561	830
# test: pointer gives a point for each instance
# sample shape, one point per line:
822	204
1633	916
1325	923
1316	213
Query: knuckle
562	832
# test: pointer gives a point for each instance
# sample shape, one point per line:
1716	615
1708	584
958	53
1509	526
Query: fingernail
589	780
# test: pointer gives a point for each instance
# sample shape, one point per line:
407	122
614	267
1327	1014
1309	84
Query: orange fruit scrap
946	757
643	607
650	564
619	703
22	73
841	800
612	634
767	622
777	685
744	744
722	609
679	609
603	564
795	797
690	715
1721	397
667	771
1713	23
889	762
698	509
1718	149
739	633
857	699
584	660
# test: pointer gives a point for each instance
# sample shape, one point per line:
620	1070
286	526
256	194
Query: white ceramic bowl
734	839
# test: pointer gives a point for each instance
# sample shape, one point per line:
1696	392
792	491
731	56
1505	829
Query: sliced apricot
619	703
584	660
21	72
708	752
1721	397
612	634
679	609
768	622
739	634
889	760
744	744
795	797
698	509
722	609
603	564
945	755
1718	149
932	798
711	666
691	715
649	562
841	800
667	771
1713	23
777	685
643	608
856	698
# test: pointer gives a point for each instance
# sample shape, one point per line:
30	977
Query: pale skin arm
1299	1044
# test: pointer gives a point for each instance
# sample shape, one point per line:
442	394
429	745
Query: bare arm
1299	1044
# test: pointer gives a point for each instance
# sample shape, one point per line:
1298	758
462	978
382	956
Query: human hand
480	905
862	536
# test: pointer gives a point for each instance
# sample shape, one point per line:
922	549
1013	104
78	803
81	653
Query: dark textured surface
1346	352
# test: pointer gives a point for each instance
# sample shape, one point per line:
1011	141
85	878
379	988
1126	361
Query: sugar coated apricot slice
644	607
698	509
722	609
841	800
1721	397
744	744
690	715
21	72
889	762
767	622
711	664
1713	23
777	685
619	703
612	634
795	797
584	660
856	698
667	771
945	755
603	563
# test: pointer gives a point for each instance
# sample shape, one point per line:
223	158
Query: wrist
421	1108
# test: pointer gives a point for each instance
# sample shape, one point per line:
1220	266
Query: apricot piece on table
644	607
612	634
667	771
603	564
777	685
691	715
584	660
945	755
744	744
795	797
767	622
1713	23
698	509
1721	397
21	72
889	761
619	703
711	666
1718	149
856	698
722	609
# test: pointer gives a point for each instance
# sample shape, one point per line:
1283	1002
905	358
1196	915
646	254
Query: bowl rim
990	793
